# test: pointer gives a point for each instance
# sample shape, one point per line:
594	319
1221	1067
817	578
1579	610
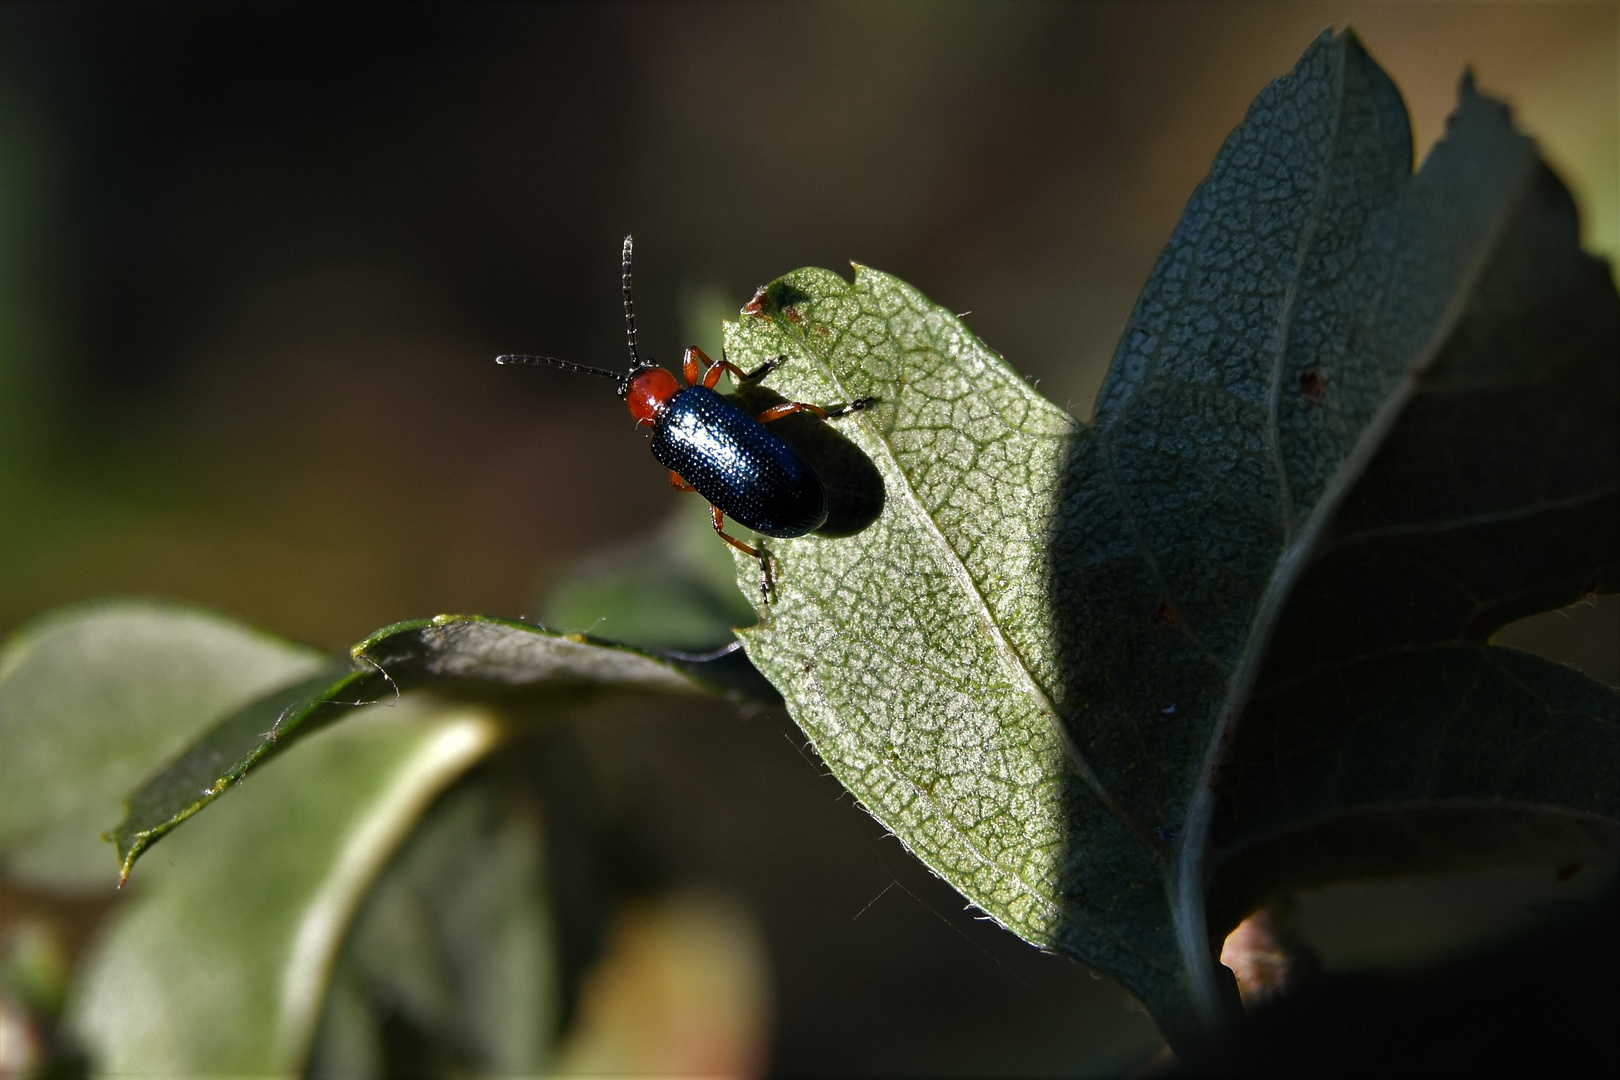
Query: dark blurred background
256	260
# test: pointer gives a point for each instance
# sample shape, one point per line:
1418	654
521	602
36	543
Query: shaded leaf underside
1030	668
1493	497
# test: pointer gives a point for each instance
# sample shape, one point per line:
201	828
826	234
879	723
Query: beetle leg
853	407
719	517
678	482
716	368
768	581
697	365
788	408
765	369
693	364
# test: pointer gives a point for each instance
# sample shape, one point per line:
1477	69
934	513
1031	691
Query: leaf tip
129	849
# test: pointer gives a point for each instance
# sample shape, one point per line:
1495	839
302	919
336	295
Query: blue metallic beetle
711	446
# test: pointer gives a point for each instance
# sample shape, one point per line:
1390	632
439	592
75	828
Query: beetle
711	446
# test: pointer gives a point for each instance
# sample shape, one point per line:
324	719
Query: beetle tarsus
764	369
853	407
767	578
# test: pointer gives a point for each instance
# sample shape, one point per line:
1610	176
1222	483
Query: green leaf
473	655
217	963
93	699
1384	731
451	958
1033	665
675	589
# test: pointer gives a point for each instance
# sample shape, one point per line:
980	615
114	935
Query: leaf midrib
1191	873
1013	661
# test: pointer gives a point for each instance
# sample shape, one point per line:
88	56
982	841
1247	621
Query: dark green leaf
464	654
1031	667
1494	495
675	589
451	957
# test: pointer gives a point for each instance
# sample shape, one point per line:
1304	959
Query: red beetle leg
693	363
719	517
767	583
788	408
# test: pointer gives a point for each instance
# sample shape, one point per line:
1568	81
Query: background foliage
245	278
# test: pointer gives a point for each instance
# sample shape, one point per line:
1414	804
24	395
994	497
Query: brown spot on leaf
1163	618
1567	872
1311	386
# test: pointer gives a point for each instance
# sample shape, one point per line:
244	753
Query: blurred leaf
474	655
92	700
1032	667
450	967
684	990
218	961
673	590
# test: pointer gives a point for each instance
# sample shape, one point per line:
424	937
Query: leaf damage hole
777	298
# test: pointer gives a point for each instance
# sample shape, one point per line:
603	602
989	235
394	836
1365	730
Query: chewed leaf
1036	665
456	654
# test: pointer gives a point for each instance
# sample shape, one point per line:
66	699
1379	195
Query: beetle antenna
566	365
630	311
